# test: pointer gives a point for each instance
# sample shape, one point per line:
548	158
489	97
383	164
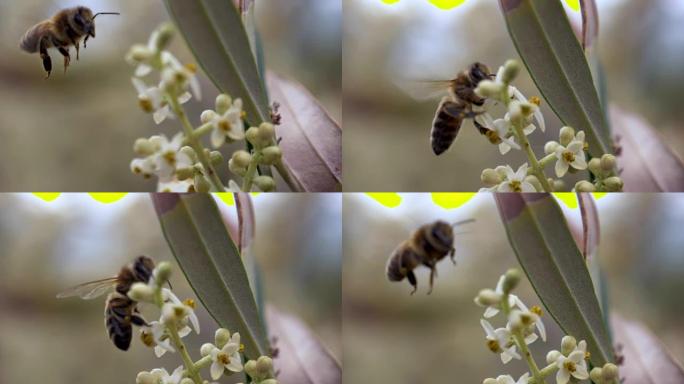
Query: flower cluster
524	326
178	320
521	119
182	163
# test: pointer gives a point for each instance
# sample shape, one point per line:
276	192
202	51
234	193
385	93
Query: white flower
161	339
175	185
229	125
537	319
493	310
169	157
163	374
183	75
572	155
573	365
515	181
498	341
151	100
144	56
507	379
227	357
145	167
499	132
536	112
188	312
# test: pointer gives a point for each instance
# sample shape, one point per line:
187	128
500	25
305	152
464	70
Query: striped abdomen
446	124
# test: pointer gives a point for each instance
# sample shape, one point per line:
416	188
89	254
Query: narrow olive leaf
590	23
591	228
546	250
216	36
646	360
199	240
311	139
648	164
246	222
301	358
545	41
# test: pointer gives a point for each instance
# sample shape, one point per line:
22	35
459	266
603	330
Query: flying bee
456	106
121	313
61	31
427	246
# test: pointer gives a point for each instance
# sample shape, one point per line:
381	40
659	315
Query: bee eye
79	20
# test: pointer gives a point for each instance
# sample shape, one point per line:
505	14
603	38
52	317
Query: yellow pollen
537	310
223	358
568	156
137	170
570	366
493	346
146	104
243	115
170	157
224	125
587	355
190	303
147	339
180	77
535	100
192	67
242	348
178	311
493	137
515	186
585	146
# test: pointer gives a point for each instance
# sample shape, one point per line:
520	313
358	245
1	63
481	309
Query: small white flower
536	112
499	341
227	357
508	379
189	312
183	75
228	125
515	181
538	321
176	186
572	155
145	167
174	378
573	365
169	157
151	100
161	339
493	310
499	132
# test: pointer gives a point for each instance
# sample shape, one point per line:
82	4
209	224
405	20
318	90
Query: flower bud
269	381
568	344
163	36
215	157
265	183
141	292
510	71
185	173
596	375
515	111
526	109
202	185
147	378
608	163
221	337
252	135
501	170
550	147
143	147
223	103
489	89
490	381
250	368
264	366
532	179
138	53
271	154
187	380
241	158
584	186
206	349
490	177
557	185
189	152
552	356
594	166
613	184
487	297
240	171
511	279
610	372
162	273
566	135
516	321
207	116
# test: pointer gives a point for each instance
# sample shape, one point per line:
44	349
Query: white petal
195	87
529	129
512	352
184	98
184	331
506	357
579	162
505	379
531	338
489	330
542	329
580	372
509	172
143	70
161	114
139	85
499	74
527	187
521	173
504	187
576	356
218	138
510	143
540	119
500	283
517	94
159	351
216	370
235	364
177	374
233	186
561	168
523	379
194	321
490	312
563	376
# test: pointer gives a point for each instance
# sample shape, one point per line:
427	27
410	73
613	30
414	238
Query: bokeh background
386	140
393	337
50	246
76	132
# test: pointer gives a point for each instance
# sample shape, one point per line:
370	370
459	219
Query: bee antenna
106	13
462	222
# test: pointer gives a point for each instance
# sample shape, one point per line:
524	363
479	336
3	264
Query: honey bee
427	246
121	313
61	31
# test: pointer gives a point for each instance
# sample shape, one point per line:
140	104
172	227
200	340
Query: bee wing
89	290
424	89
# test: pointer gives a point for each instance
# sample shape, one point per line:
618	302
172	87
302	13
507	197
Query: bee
427	246
61	31
121	313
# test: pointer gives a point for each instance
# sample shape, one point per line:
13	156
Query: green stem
203	362
192	370
545	372
196	145
251	171
203	130
520	341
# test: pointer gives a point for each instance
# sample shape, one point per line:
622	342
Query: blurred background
50	246
76	132
393	337
386	140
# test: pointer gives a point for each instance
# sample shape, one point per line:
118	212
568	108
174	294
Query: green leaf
545	41
211	262
215	34
546	250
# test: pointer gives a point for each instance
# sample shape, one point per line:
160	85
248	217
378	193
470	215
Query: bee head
83	21
479	72
443	233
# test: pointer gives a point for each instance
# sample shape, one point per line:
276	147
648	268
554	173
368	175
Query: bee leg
78	49
85	41
452	255
413	281
67	57
433	274
47	61
138	320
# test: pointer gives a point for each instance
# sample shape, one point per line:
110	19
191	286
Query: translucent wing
424	89
89	290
